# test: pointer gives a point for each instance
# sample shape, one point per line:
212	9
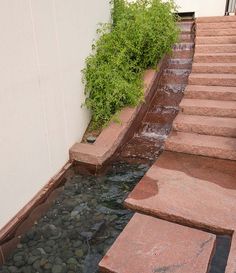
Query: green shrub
140	34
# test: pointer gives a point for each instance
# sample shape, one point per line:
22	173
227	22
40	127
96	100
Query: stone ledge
113	136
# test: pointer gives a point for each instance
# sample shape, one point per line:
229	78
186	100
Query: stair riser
216	40
189	94
216	32
216	19
179	66
182	54
207	111
215	49
212	82
204	129
205	151
215	59
185	27
188	38
214	69
176	63
169	79
207	26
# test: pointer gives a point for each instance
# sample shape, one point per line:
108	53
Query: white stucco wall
43	46
202	7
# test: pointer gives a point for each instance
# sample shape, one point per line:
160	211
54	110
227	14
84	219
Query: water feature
81	225
88	215
219	260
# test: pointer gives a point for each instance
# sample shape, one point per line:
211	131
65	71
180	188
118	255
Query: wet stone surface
83	223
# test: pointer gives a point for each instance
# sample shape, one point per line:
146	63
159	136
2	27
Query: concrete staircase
206	124
183	194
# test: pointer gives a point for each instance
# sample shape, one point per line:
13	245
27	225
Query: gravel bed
81	225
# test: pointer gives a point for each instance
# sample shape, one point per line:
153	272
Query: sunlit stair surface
150	245
206	124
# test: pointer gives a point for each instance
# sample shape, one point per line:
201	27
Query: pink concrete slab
216	32
215	57
215	40
215	126
214	68
149	245
212	79
179	196
216	25
210	92
206	145
215	48
202	107
216	19
217	171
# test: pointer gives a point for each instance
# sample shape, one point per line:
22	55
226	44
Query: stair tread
208	92
214	64
206	125
215	40
198	179
210	88
206	120
217	48
203	141
212	32
216	54
218	45
215	19
208	103
215	25
213	75
151	244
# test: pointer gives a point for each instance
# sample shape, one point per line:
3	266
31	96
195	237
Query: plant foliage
140	34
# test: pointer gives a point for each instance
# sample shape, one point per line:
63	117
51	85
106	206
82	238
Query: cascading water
149	140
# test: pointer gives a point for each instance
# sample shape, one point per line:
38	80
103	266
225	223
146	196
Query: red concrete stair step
215	108
215	57
215	25
212	146
212	79
215	48
215	40
214	68
215	126
149	245
216	32
189	189
210	92
216	19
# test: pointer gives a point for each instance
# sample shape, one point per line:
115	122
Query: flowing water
82	224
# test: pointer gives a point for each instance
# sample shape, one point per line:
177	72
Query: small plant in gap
140	34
